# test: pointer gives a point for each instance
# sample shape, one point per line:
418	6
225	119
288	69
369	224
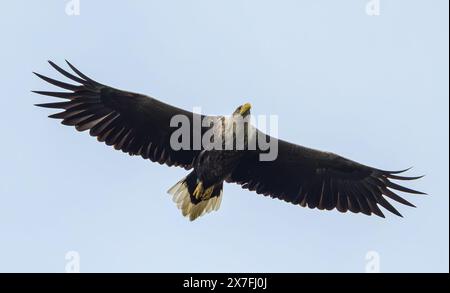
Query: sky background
371	88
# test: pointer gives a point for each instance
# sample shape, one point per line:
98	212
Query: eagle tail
192	199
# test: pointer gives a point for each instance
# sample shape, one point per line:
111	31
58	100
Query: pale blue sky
374	89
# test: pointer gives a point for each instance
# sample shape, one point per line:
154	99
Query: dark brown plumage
133	123
321	180
140	125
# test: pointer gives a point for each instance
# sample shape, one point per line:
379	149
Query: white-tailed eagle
141	125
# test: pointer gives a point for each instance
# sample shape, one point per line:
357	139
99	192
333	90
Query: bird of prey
141	125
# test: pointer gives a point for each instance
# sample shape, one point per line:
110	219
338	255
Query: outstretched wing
131	122
321	180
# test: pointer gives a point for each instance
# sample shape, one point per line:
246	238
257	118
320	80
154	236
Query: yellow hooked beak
245	109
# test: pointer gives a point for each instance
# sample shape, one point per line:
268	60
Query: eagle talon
198	190
208	192
202	194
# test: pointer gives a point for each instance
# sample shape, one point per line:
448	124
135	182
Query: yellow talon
208	192
201	193
198	190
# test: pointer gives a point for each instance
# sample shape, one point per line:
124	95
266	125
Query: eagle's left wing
322	180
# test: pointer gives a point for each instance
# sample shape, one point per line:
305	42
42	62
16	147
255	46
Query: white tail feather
180	195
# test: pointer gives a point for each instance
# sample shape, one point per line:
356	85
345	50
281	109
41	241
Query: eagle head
243	110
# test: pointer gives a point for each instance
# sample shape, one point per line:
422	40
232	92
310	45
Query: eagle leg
202	194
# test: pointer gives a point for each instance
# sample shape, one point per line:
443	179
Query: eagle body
213	166
216	164
140	125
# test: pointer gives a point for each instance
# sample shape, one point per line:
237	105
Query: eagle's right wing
131	122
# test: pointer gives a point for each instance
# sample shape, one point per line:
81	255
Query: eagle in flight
141	125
